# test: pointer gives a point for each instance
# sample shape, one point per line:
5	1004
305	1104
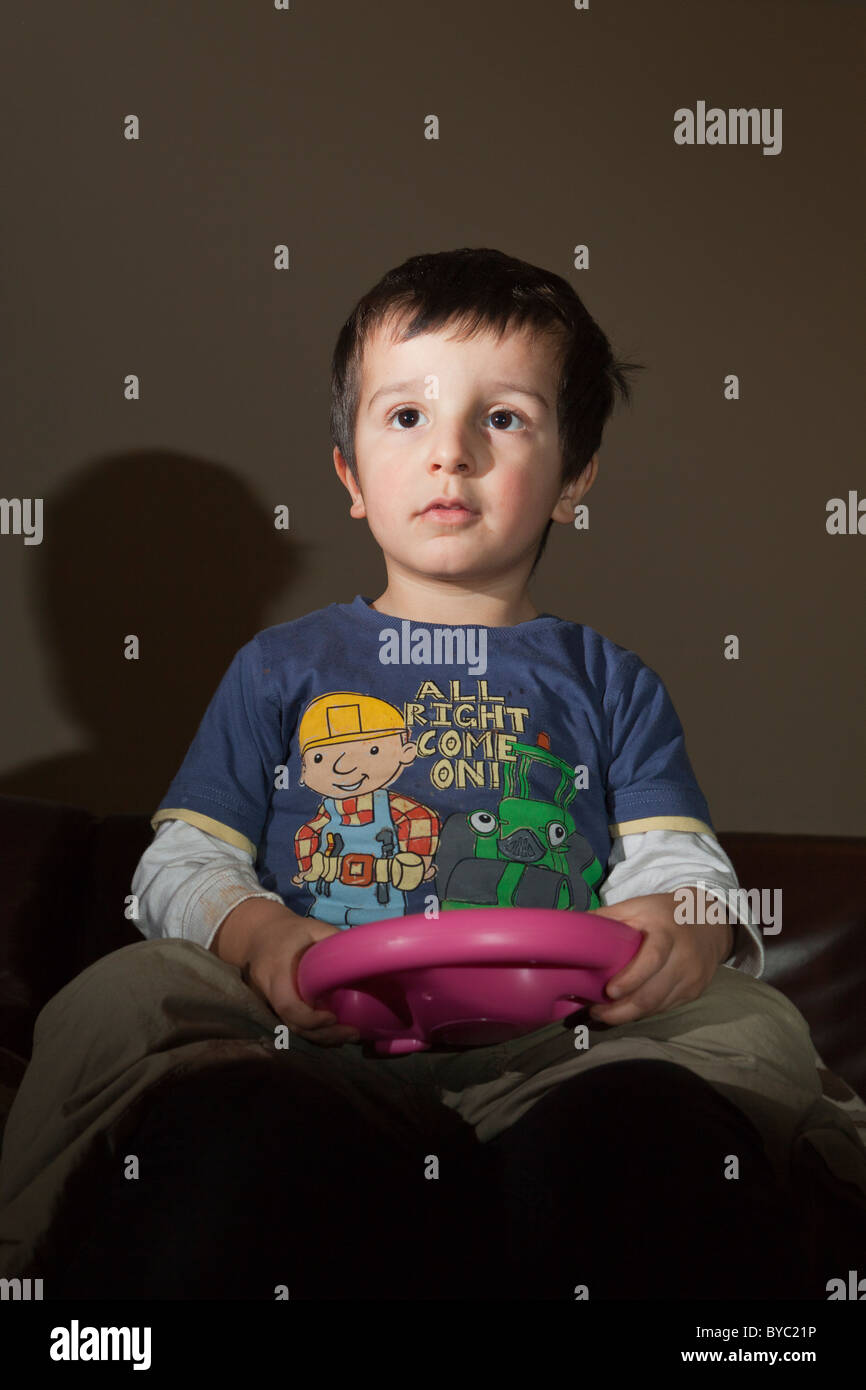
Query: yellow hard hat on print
343	715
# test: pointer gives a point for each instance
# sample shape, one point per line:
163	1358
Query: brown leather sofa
66	874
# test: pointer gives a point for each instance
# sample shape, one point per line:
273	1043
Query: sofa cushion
65	874
818	958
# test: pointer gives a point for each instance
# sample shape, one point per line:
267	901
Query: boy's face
487	441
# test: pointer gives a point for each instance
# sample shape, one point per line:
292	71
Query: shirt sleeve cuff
208	908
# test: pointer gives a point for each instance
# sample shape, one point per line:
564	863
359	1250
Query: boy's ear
574	492
344	473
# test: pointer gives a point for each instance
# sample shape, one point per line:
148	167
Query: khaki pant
161	1009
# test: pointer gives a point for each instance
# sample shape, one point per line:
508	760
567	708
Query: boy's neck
451	604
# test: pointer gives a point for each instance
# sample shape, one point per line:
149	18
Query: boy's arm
650	786
660	861
210	821
199	887
187	882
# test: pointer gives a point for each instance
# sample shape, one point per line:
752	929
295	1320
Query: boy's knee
134	981
739	1004
134	965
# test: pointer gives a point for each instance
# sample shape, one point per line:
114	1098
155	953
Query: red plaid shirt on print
417	826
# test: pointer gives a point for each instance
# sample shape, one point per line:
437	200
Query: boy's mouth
349	786
448	510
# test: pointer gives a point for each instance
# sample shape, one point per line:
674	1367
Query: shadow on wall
178	552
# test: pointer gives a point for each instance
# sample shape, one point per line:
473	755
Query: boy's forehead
385	358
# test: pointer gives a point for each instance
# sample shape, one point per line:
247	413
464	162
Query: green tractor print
526	853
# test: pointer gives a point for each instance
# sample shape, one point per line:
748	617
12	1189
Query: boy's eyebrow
396	388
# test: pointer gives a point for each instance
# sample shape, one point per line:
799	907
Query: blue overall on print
352	904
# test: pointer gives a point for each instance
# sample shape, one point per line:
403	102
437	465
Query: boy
462	515
350	762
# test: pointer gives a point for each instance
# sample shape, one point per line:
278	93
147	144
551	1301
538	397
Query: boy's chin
452	568
450	555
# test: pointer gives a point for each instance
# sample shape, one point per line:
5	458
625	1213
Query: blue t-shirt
377	766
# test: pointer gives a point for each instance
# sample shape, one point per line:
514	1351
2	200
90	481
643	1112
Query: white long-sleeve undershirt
187	881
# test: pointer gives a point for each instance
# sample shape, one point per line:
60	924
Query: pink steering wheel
469	978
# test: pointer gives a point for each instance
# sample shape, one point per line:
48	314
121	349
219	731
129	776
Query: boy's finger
296	1013
319	1025
329	1037
650	959
651	999
311	1018
616	914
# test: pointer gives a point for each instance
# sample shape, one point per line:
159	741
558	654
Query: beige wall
306	127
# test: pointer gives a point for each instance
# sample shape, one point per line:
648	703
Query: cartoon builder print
366	847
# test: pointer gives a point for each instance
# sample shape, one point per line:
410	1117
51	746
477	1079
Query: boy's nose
451	451
459	465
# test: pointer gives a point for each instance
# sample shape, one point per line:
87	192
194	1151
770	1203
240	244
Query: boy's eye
503	411
406	410
413	411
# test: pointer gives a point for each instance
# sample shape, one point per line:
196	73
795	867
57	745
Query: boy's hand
267	942
673	965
